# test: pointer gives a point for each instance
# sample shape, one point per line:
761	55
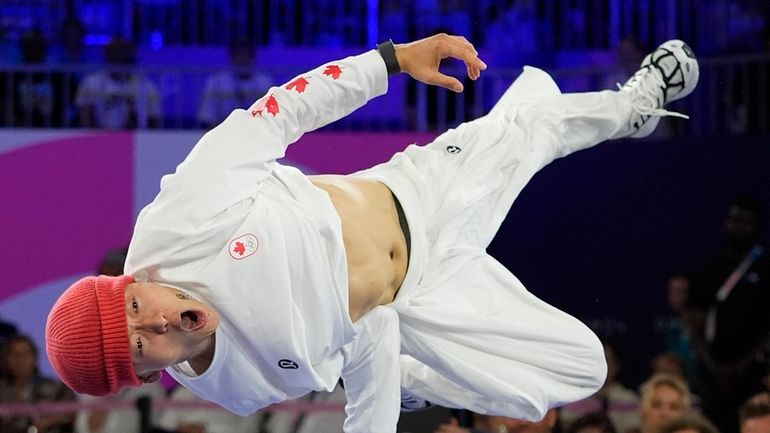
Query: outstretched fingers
421	59
460	48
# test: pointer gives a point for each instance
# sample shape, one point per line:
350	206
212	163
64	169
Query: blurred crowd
118	97
712	374
53	81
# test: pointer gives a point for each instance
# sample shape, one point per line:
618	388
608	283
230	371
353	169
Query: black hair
689	422
17	338
72	24
749	204
33	46
242	43
753	408
599	420
120	51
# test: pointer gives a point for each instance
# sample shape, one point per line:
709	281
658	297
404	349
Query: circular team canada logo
243	246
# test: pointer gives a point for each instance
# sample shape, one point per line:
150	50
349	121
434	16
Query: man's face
756	425
165	327
21	361
678	289
742	226
665	403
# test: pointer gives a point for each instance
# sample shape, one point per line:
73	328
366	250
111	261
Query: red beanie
87	336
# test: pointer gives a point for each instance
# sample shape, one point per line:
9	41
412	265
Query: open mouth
192	320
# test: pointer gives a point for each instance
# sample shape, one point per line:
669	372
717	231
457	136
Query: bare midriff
374	242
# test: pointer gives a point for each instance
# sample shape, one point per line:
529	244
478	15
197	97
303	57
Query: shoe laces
647	84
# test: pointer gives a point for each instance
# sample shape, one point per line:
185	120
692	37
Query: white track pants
472	336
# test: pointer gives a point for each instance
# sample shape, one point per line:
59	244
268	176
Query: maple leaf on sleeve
333	71
259	107
272	105
257	110
239	249
268	103
298	84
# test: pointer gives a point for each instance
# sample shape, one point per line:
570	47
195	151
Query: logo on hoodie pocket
243	246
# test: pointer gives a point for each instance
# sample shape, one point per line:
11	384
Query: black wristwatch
388	52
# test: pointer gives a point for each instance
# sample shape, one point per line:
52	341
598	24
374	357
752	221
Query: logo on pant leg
243	246
288	364
453	149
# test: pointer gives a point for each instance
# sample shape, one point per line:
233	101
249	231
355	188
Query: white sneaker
667	74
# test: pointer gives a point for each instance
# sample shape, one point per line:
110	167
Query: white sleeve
228	163
371	374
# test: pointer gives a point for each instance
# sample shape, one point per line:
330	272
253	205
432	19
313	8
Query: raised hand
421	59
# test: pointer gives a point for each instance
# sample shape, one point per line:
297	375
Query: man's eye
134	305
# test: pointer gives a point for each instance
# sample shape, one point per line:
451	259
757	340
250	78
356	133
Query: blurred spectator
664	397
451	14
67	55
513	31
118	98
620	403
668	363
72	45
216	420
309	422
35	98
392	22
676	337
595	422
754	415
20	382
237	87
500	424
729	309
689	424
118	420
34	94
744	105
629	54
759	398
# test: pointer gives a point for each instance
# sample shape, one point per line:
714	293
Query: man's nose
156	322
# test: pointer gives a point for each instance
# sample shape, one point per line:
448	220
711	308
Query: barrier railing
545	25
732	97
49	408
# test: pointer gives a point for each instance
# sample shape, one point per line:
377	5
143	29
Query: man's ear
151	377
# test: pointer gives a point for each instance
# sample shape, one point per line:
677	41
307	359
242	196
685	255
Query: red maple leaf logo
239	249
333	71
258	109
270	103
299	85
